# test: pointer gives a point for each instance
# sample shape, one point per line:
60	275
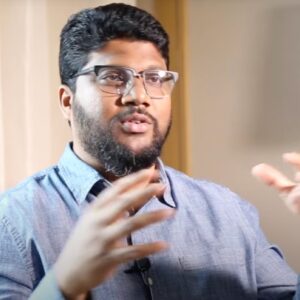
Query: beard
116	158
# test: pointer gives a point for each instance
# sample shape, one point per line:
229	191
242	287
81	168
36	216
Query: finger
152	175
128	201
122	185
125	227
293	158
133	252
292	200
272	177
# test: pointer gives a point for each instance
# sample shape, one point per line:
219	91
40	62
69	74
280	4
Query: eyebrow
151	67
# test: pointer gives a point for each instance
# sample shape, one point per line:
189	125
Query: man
96	224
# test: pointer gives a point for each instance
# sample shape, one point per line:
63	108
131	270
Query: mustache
131	110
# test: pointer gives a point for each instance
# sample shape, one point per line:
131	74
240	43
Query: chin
137	145
139	149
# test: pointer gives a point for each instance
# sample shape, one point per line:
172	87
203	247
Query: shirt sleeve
275	279
297	295
47	289
17	278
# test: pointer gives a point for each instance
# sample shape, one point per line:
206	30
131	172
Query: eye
112	77
153	78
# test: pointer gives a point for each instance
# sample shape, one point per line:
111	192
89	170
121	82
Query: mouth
136	123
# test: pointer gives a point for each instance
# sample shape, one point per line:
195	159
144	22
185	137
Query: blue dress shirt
217	249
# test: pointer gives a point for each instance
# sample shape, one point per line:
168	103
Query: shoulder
35	181
198	192
27	193
189	183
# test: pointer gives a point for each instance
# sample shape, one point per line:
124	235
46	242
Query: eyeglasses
120	80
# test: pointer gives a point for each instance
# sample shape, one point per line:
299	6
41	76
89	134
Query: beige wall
32	132
244	61
244	72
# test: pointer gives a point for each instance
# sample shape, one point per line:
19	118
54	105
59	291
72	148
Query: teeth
134	121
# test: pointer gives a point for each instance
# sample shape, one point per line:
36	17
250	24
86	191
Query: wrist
67	286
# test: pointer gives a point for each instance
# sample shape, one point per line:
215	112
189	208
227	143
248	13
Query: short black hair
90	29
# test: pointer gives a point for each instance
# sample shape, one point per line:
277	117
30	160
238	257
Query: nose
137	95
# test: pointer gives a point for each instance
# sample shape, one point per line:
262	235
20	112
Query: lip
136	123
136	118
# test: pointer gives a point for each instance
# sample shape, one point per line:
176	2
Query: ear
66	98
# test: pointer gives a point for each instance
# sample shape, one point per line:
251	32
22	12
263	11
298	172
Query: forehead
139	55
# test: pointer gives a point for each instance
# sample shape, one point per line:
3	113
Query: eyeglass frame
95	69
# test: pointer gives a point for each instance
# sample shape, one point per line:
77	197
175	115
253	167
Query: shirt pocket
216	274
213	258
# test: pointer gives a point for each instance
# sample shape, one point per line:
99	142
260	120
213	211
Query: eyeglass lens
117	80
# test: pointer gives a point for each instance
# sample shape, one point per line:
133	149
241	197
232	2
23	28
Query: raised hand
98	243
289	190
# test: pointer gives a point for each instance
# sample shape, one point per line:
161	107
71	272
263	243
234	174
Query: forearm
47	289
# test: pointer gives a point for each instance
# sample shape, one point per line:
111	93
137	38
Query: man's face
120	134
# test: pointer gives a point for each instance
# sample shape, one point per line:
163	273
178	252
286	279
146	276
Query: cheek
88	97
93	107
164	115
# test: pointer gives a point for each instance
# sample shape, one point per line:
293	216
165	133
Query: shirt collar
167	197
81	177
